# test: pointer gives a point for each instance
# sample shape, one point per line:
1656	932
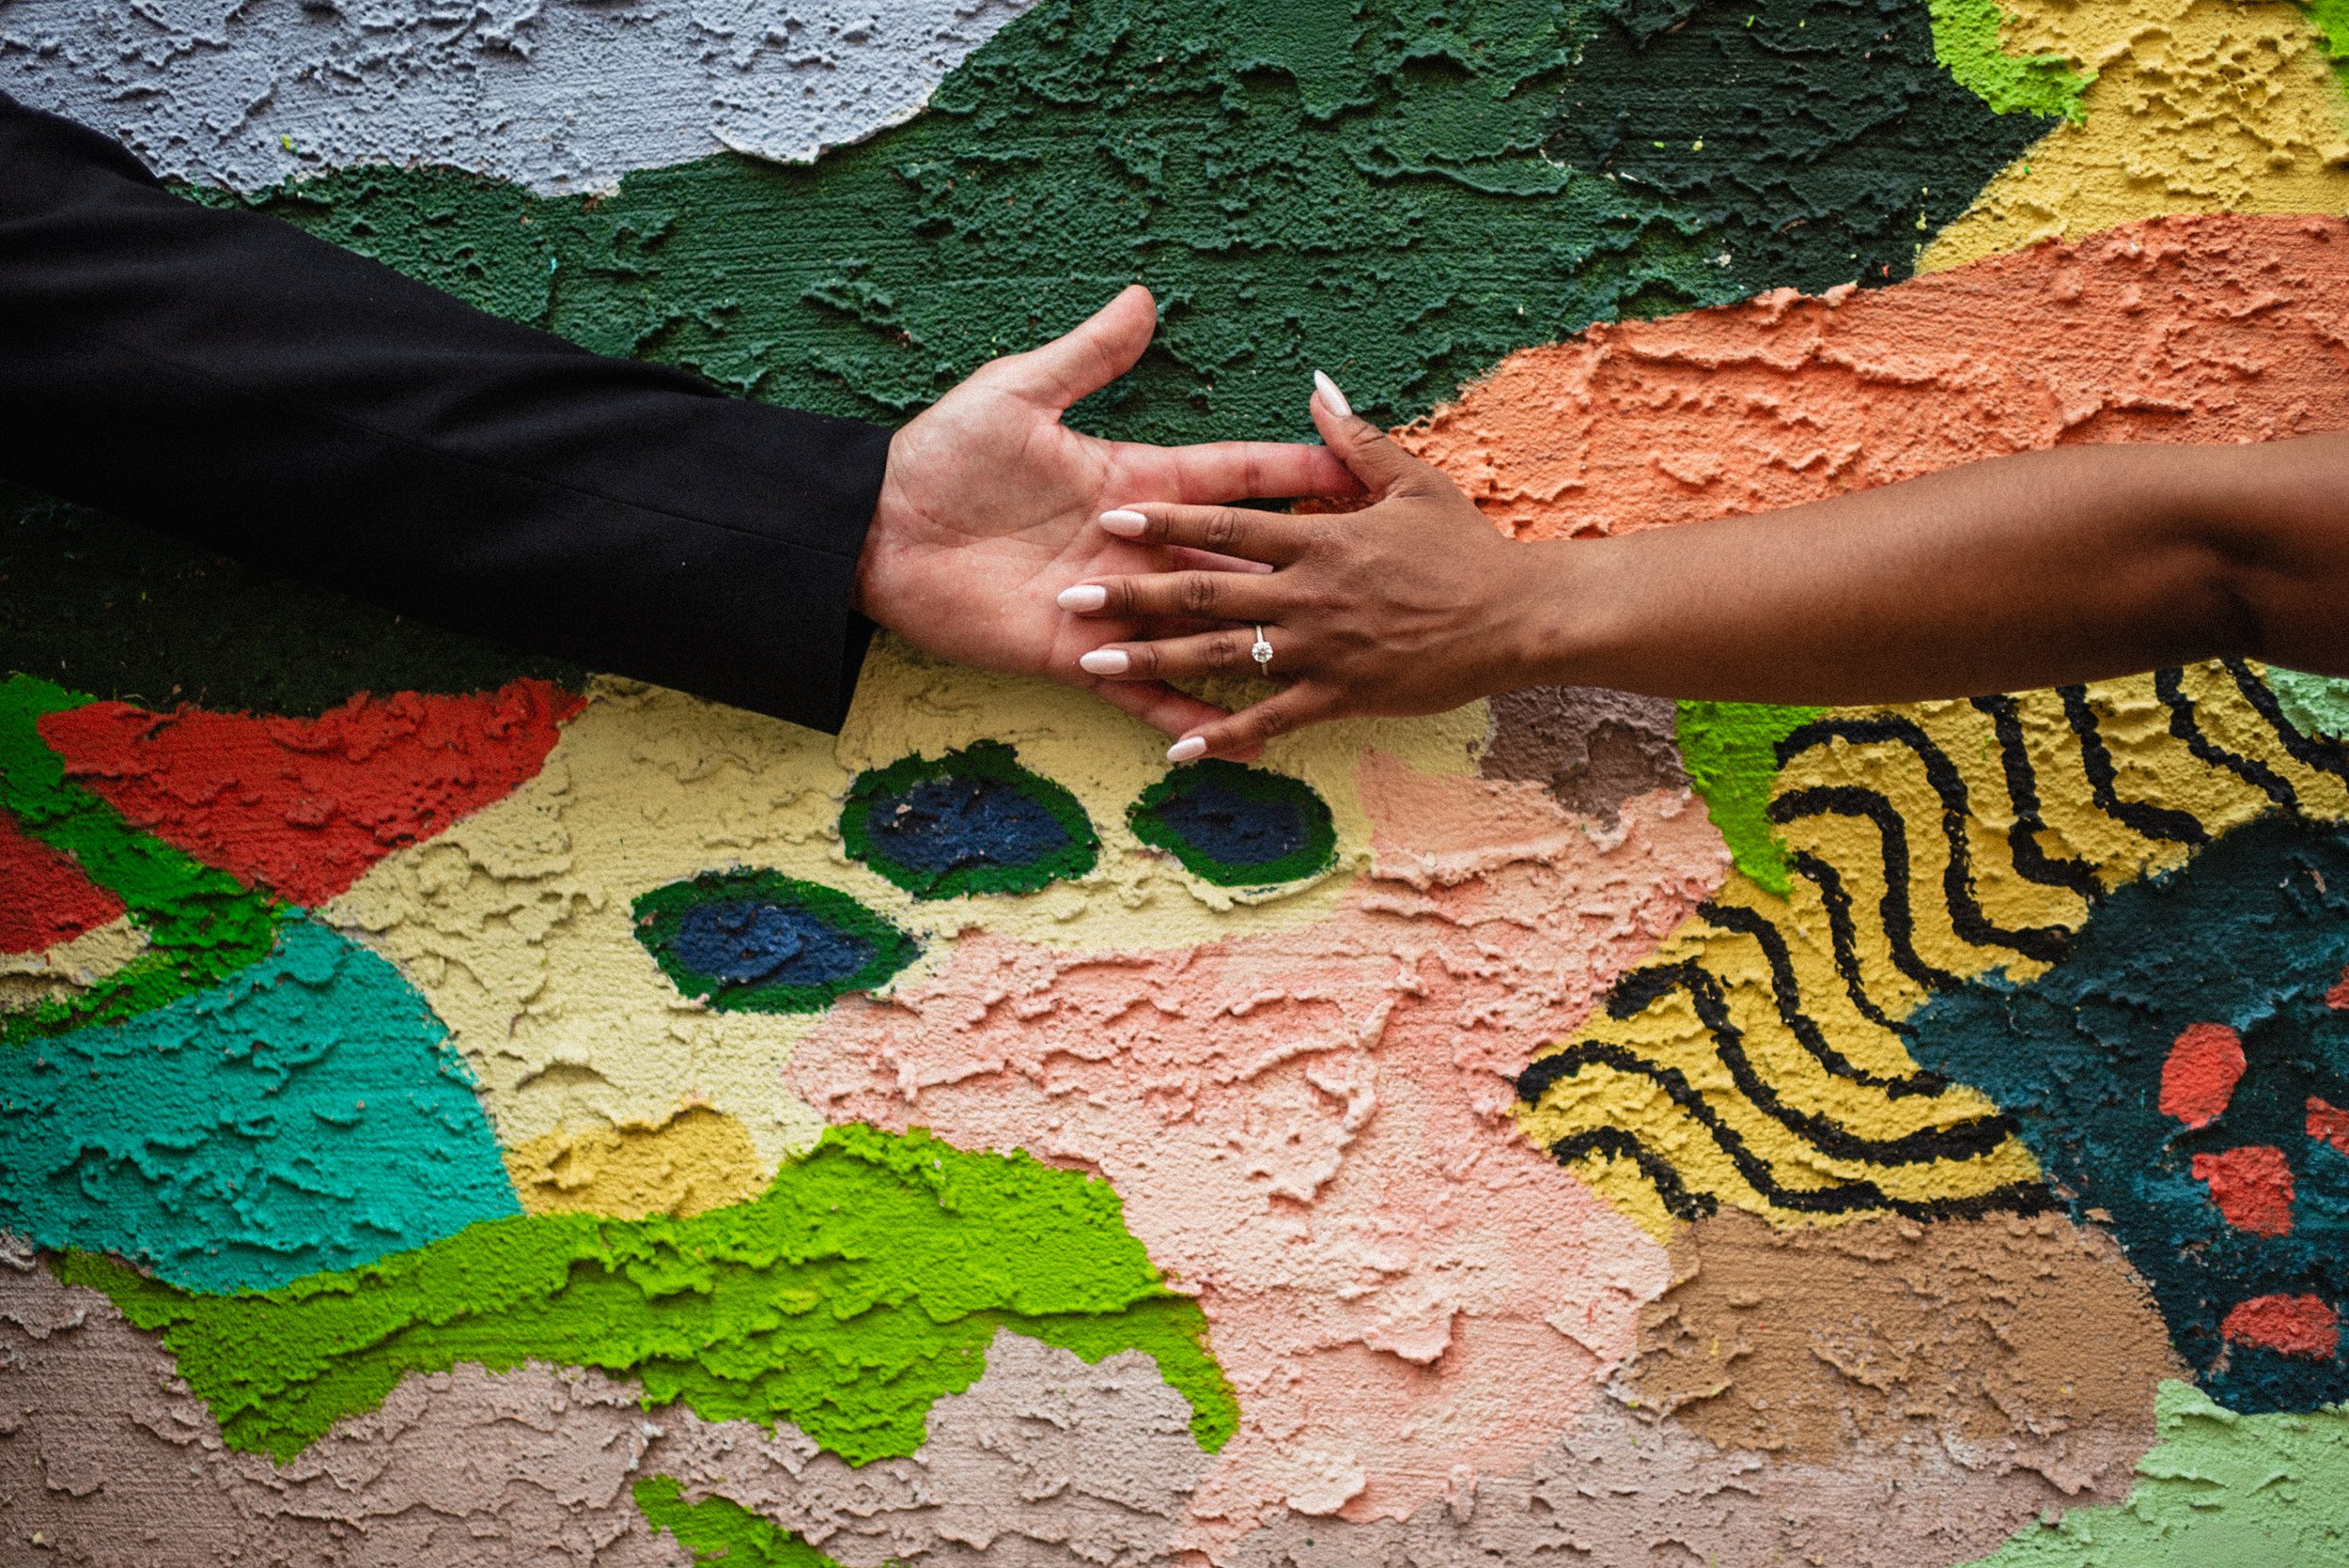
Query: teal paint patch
2316	705
973	821
1237	826
304	1114
1731	752
1397	193
758	942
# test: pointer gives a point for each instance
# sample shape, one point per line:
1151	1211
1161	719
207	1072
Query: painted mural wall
460	1109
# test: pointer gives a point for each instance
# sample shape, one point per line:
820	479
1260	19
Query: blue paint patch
973	821
306	1115
2250	935
750	941
757	941
1232	824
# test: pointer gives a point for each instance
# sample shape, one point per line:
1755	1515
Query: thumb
1089	356
1366	450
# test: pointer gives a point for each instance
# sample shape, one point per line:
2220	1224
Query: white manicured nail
1085	596
1183	750
1125	524
1332	395
1104	661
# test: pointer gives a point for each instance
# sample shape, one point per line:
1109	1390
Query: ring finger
1229	652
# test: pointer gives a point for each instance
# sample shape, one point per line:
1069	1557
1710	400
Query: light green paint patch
2316	705
1966	41
1731	752
863	1286
2332	18
202	924
2219	1490
721	1529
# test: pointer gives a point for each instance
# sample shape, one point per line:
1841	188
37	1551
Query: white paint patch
556	95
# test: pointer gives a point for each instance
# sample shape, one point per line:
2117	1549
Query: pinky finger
1244	733
1160	707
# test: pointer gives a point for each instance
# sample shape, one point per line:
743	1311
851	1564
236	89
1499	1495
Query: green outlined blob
864	1286
1237	826
202	924
1731	752
1966	40
719	1529
973	821
758	942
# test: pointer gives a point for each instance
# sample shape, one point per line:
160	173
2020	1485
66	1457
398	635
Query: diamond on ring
1261	651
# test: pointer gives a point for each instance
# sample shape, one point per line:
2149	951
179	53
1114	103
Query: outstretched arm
2017	572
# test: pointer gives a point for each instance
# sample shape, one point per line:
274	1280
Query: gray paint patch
557	95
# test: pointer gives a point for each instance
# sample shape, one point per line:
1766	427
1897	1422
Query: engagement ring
1261	651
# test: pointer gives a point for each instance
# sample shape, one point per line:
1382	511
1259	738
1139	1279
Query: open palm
987	507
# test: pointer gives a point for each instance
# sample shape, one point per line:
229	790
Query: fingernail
1186	748
1104	661
1125	524
1332	395
1085	596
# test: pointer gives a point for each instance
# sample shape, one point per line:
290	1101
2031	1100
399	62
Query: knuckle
1223	651
1222	529
1200	593
1122	598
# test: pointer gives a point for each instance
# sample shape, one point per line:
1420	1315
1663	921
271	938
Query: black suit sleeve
225	376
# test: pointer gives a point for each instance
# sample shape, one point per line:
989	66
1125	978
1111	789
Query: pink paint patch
305	806
2293	1324
2328	1123
2199	1078
2251	1185
44	898
1310	1131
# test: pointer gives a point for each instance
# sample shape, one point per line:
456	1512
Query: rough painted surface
305	1115
49	901
1591	748
557	98
302	807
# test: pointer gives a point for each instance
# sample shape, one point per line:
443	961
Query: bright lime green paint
861	1287
1730	751
2219	1491
202	924
1966	41
2332	18
721	1529
2316	705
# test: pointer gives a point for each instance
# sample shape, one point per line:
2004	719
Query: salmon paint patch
44	898
2253	1187
2199	1078
2290	1325
305	806
2328	1123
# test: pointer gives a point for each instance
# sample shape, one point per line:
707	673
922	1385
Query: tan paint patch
2196	106
28	979
698	1159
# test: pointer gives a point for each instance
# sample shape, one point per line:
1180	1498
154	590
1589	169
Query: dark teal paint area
973	821
2251	934
758	942
1237	826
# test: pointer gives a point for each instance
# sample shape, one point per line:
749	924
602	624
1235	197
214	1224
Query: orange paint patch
2338	998
305	806
2204	1064
2177	329
2328	1123
2251	1185
2293	1325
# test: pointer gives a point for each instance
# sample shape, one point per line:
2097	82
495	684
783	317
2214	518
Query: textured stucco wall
460	1109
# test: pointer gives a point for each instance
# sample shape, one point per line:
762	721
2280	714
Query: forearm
2005	575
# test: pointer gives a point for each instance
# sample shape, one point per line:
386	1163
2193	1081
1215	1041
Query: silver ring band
1261	651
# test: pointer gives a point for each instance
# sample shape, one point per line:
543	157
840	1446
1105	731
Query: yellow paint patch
28	979
1754	1062
696	1160
2195	106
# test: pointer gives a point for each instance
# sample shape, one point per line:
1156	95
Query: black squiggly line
1967	917
2307	749
1844	936
1642	988
2031	863
2139	816
2169	686
1892	832
1787	991
1678	1201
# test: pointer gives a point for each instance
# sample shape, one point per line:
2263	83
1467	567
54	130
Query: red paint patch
2251	1185
2328	1123
305	806
2338	998
2199	1078
44	898
2294	1324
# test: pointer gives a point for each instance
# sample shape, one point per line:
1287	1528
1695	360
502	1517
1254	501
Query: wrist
881	536
1555	628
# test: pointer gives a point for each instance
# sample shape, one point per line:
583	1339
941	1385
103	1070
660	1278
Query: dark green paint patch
973	821
758	942
1237	826
863	1286
1731	752
201	924
1397	193
720	1529
138	616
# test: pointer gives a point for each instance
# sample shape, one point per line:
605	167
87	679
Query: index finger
1249	469
1266	537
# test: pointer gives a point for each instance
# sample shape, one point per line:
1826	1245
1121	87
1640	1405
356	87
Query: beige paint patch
2195	106
28	979
698	1159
